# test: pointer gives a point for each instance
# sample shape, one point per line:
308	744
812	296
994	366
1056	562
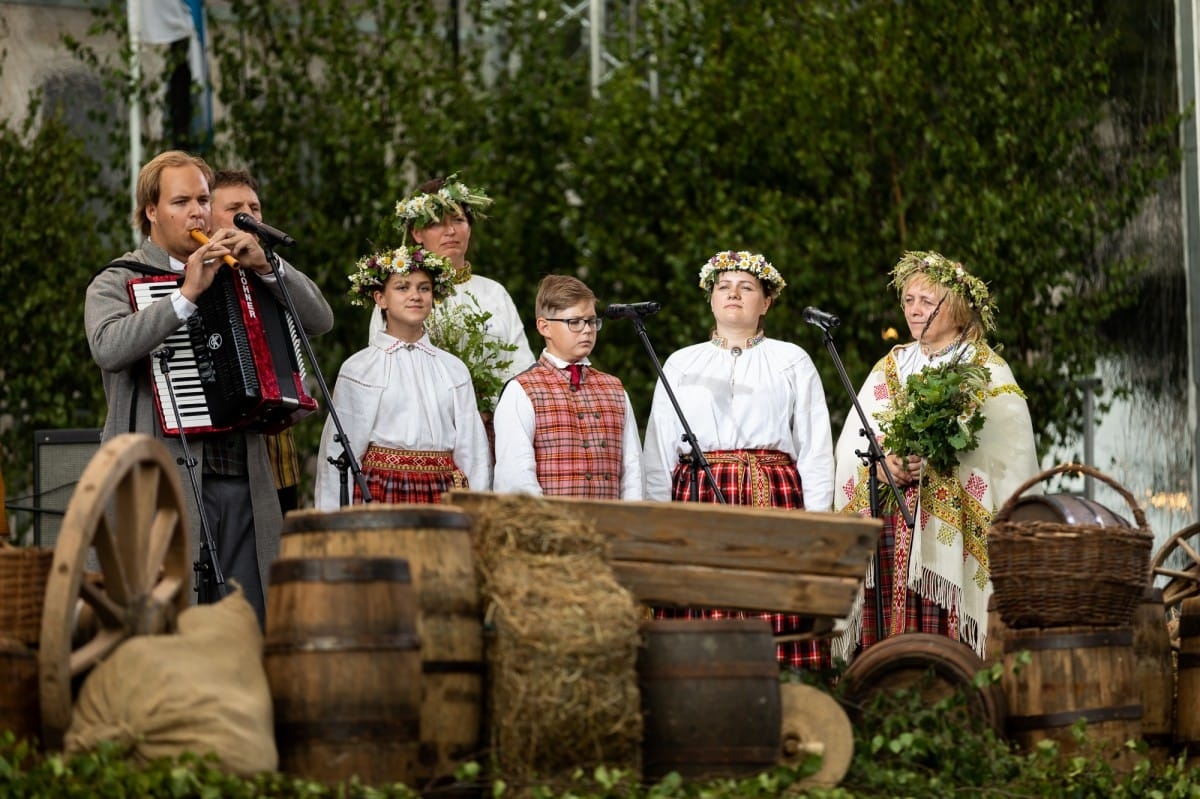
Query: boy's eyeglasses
576	325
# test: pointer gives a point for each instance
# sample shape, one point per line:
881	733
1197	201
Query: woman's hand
905	470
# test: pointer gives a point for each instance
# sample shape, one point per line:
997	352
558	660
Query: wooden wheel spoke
95	650
135	499
1191	552
116	579
109	613
1190	575
167	592
162	532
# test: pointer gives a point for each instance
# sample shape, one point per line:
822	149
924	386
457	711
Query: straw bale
562	650
521	523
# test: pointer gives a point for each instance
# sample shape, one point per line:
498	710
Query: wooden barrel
19	690
933	665
1074	673
436	542
343	662
1154	671
993	644
710	697
1187	709
1067	508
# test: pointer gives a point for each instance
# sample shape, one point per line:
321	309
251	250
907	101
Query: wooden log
726	555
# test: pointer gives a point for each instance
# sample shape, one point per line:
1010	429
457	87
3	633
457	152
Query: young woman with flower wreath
958	440
407	407
440	217
757	409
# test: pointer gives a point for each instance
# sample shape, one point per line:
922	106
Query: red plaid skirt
760	478
399	476
912	612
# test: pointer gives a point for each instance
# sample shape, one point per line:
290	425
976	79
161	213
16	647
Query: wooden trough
704	555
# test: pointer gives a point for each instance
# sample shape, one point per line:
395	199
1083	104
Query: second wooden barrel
710	697
436	542
343	662
1074	673
1187	710
1154	671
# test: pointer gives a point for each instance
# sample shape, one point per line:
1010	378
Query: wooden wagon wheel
128	508
1183	578
815	723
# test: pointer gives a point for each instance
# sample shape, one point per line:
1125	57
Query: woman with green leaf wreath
959	440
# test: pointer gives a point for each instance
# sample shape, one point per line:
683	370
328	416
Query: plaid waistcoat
577	434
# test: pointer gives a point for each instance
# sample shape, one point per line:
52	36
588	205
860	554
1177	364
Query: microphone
166	352
815	316
264	231
634	310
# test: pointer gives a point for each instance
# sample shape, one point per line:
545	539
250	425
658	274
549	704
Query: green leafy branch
461	329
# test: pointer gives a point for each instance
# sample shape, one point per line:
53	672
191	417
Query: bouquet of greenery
461	330
937	414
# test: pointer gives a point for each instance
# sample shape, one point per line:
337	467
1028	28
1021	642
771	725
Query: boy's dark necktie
576	372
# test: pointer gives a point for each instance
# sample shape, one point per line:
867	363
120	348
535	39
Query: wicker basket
23	573
1054	574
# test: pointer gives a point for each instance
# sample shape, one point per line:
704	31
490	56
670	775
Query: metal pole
133	10
1189	77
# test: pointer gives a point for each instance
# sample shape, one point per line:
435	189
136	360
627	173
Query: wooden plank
722	536
703	586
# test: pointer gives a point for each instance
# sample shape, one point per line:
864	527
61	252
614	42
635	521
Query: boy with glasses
564	428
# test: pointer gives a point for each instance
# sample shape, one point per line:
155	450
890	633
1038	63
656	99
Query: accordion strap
133	266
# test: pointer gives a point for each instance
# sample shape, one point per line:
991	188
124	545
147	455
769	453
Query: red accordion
236	363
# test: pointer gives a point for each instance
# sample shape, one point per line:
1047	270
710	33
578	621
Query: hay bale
563	650
531	525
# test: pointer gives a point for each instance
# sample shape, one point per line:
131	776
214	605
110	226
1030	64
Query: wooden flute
199	236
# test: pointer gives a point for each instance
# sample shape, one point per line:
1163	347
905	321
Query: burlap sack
202	690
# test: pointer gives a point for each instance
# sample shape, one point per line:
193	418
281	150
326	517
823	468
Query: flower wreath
731	261
424	209
951	274
372	271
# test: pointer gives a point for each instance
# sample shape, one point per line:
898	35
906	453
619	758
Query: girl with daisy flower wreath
407	408
757	408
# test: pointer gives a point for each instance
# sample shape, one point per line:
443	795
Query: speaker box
59	458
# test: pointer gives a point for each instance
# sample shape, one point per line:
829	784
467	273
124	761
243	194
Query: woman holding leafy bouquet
958	438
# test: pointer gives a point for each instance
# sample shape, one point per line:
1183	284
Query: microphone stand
871	457
210	580
697	459
347	459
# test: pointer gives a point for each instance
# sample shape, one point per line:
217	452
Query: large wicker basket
1055	574
23	573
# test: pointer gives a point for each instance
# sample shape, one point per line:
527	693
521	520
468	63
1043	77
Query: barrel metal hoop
340	570
1118	636
709	671
407	729
1066	718
711	755
343	643
370	519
